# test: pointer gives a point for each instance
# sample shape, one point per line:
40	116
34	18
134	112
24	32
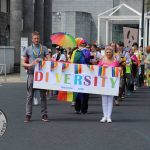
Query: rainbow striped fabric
66	96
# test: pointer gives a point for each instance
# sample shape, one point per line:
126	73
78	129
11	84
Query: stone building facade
4	22
19	18
94	7
78	24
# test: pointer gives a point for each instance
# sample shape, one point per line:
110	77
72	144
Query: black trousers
81	103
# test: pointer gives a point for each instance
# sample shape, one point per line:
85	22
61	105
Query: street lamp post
142	23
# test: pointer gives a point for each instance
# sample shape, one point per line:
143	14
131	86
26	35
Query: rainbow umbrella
63	39
80	40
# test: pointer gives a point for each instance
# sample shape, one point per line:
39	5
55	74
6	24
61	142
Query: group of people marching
133	63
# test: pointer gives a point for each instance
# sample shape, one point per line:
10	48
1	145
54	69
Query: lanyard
37	51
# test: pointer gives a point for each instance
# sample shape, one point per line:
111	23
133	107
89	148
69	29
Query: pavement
66	130
11	78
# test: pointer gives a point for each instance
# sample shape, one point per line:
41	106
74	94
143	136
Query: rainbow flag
66	96
101	71
65	66
78	68
54	65
115	72
91	67
41	64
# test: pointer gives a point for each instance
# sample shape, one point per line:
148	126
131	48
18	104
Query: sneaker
129	93
35	101
122	97
84	112
73	104
109	120
103	120
116	103
27	119
77	112
135	87
45	118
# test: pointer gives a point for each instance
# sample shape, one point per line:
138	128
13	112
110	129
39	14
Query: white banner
77	78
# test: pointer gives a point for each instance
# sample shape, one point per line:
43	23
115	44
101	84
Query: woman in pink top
107	100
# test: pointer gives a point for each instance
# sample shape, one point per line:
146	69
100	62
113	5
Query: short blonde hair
109	48
35	33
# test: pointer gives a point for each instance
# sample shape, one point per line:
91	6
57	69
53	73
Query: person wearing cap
81	56
107	100
59	56
56	56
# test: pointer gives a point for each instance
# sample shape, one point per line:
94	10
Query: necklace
35	53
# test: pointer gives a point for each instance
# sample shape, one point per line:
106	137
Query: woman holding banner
107	100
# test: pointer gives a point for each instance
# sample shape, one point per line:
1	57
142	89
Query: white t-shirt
97	56
62	58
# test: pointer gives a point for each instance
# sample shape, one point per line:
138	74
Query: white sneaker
35	101
109	120
103	120
134	87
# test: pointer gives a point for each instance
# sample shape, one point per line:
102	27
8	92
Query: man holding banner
34	53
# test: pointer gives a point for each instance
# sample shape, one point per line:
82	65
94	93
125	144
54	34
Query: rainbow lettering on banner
41	64
65	66
91	67
54	65
115	72
78	68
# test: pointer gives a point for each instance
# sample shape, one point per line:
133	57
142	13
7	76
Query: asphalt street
66	130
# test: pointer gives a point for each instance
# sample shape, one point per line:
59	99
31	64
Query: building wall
78	24
83	26
56	22
68	22
4	22
96	7
4	28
